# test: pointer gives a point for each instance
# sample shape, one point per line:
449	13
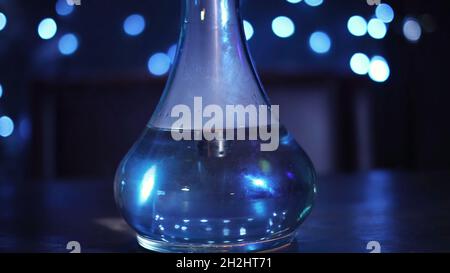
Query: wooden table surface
402	212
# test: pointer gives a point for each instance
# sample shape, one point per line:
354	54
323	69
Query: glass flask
213	194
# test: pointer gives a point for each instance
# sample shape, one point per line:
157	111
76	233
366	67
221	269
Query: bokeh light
248	29
385	13
1	90
357	25
379	70
412	30
171	52
63	8
320	42
6	126
283	27
376	28
360	63
159	64
294	1
68	44
3	21
47	28
134	24
314	3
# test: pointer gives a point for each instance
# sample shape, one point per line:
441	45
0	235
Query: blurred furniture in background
83	128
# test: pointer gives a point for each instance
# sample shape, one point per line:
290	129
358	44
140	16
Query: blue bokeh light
1	90
385	13
283	27
412	30
6	126
294	1
63	8
47	28
134	24
360	63
68	44
357	25
379	70
3	21
172	52
320	42
314	3
376	28
159	64
248	29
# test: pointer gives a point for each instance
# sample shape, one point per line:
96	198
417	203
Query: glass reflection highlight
147	184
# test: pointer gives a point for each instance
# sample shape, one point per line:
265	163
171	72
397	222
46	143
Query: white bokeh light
248	29
47	28
314	3
357	25
3	21
283	27
376	28
360	63
379	70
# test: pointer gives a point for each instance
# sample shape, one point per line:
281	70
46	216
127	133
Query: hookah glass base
214	196
269	245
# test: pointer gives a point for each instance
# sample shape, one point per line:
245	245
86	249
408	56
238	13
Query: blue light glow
376	28
294	1
62	8
360	64
172	52
242	231
320	42
283	27
314	3
1	90
379	70
3	21
357	25
148	181
226	232
248	29
47	28
385	13
159	64
412	30
134	24
6	126
258	183
68	44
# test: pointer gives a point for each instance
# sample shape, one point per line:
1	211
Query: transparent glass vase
214	194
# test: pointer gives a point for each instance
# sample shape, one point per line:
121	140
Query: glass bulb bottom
269	245
214	196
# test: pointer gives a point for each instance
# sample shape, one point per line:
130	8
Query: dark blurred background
361	86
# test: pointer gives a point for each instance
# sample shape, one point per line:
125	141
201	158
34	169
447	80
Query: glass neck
212	36
217	17
212	61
